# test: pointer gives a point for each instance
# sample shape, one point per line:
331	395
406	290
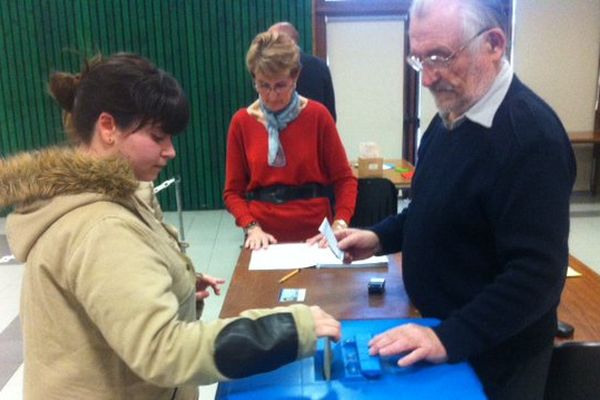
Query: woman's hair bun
63	87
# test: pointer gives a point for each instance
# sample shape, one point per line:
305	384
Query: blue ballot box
356	375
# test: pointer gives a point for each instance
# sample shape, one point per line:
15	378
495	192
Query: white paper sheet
300	255
282	256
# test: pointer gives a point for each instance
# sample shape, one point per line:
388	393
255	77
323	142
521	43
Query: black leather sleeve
247	347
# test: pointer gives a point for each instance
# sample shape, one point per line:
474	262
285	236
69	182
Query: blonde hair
273	53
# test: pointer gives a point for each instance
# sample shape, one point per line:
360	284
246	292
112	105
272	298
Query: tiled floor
214	247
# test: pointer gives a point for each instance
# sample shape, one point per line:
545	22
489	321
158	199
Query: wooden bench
580	303
593	138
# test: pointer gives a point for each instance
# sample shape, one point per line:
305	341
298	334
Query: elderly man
484	240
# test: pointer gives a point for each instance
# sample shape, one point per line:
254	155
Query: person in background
484	239
283	154
108	302
314	81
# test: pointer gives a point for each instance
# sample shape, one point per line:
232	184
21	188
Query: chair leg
564	330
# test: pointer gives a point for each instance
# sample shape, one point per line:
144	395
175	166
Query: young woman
109	300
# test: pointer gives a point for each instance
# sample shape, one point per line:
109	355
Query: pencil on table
288	276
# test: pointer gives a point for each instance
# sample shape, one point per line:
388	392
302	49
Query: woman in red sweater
283	153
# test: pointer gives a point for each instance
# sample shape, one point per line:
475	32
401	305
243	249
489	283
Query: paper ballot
300	255
326	230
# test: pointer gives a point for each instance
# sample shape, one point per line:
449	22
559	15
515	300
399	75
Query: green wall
201	42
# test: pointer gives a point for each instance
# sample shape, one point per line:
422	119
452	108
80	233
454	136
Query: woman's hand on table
338	225
256	239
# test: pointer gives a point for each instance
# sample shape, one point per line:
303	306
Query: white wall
556	52
365	56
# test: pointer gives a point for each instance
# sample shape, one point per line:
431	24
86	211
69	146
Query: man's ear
496	40
107	128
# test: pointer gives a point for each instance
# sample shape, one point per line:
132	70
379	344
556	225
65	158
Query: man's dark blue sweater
484	239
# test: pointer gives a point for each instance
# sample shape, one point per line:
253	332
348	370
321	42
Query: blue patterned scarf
276	122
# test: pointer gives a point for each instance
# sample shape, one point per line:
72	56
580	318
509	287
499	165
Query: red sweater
314	154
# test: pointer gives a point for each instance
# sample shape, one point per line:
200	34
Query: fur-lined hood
46	185
45	174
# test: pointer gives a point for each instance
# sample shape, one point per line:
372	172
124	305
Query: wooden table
580	303
589	137
392	174
343	293
340	292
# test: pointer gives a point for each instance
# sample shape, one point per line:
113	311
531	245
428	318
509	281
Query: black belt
279	194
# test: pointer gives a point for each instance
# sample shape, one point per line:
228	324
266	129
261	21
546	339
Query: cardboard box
369	167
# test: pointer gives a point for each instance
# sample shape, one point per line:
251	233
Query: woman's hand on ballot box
325	324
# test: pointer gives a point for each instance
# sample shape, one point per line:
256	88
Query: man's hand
419	342
357	244
203	282
258	239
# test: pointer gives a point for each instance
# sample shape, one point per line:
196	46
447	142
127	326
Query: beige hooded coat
108	299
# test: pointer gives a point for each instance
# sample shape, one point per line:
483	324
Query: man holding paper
484	240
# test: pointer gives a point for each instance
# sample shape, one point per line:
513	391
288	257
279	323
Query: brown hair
273	53
128	87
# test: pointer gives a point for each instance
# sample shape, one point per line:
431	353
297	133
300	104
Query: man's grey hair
476	14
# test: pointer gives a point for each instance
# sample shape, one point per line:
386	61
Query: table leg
595	165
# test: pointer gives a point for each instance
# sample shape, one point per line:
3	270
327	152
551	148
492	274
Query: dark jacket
484	240
315	82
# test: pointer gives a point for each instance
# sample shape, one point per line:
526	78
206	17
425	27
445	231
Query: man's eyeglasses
278	88
436	61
